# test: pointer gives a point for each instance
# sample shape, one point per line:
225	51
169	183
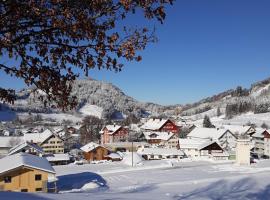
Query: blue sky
205	47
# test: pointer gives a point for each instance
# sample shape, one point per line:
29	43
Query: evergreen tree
207	122
264	126
218	111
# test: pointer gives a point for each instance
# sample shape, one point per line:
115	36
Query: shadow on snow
77	181
223	189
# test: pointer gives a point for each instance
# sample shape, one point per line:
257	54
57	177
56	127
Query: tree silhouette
43	41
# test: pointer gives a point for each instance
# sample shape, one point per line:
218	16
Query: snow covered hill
97	98
235	106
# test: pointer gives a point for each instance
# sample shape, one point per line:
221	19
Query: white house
202	148
261	142
225	138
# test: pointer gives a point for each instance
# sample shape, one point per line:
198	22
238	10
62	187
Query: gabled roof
90	146
159	135
25	146
207	133
154	124
111	128
259	133
237	129
38	137
161	151
11	162
195	143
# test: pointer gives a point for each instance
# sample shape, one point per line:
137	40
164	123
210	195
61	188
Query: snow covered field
158	180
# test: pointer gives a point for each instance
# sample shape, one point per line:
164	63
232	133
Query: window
38	189
7	179
38	177
24	190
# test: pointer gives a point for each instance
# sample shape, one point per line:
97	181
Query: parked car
78	162
254	160
265	157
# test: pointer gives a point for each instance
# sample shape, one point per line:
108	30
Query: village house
160	125
151	153
261	142
224	137
58	159
25	173
47	140
239	130
93	152
167	139
194	148
113	133
267	142
27	147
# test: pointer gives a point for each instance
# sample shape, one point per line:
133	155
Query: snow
114	156
181	180
112	128
132	158
154	124
206	133
237	129
93	110
58	157
7	141
23	159
38	137
158	135
257	119
194	143
259	91
25	146
59	117
161	151
89	147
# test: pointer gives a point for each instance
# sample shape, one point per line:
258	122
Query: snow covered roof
237	129
90	146
206	133
194	143
259	133
158	135
161	151
58	157
25	146
114	156
112	128
38	137
154	124
8	142
24	159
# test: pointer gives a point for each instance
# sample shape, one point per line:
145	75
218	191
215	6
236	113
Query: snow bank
127	159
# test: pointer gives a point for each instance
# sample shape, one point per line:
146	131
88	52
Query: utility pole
132	152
